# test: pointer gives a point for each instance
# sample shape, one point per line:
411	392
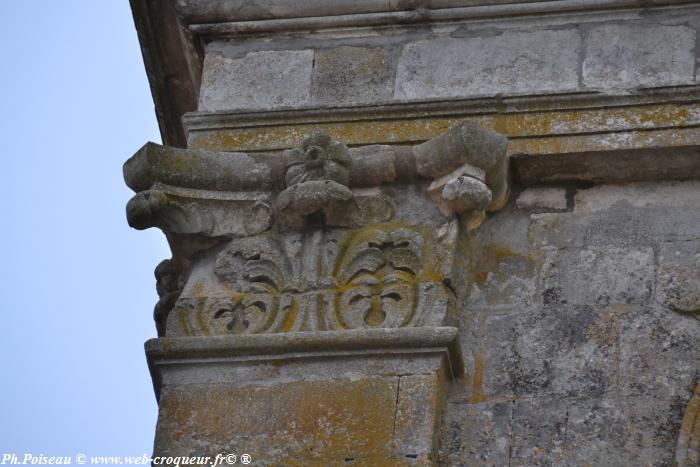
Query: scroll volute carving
318	237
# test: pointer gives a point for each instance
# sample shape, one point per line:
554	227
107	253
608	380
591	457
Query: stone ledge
535	125
648	135
193	351
340	14
208	11
455	108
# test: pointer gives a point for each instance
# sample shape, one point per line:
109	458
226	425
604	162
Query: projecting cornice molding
650	134
174	35
213	18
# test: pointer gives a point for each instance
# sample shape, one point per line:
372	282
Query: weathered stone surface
620	431
384	276
461	190
318	158
505	267
583	326
505	277
598	276
570	352
658	354
476	434
368	397
299	202
542	199
200	212
154	208
347	75
368	206
688	447
470	166
260	80
450	67
466	143
204	170
372	165
611	430
639	55
632	214
679	277
297	422
539	430
417	419
318	176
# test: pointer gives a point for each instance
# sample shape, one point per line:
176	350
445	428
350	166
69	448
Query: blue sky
77	284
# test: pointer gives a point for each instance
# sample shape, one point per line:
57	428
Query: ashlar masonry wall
580	328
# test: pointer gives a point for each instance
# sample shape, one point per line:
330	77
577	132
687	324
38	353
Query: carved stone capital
323	270
316	238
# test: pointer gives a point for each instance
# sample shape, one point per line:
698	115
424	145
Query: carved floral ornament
319	237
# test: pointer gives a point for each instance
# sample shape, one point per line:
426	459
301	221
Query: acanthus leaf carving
336	238
334	281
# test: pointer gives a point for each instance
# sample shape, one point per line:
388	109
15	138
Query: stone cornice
171	34
566	137
339	14
173	62
455	107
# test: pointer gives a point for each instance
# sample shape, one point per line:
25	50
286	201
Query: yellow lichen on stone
526	129
295	423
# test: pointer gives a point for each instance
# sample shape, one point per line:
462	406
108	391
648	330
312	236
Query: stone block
658	354
505	277
542	199
679	277
598	276
491	362
459	67
312	422
504	266
632	214
263	80
352	75
305	398
570	351
607	430
476	434
594	432
619	431
564	352
538	432
418	406
639	55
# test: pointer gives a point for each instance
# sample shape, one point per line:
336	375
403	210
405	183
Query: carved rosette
317	238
